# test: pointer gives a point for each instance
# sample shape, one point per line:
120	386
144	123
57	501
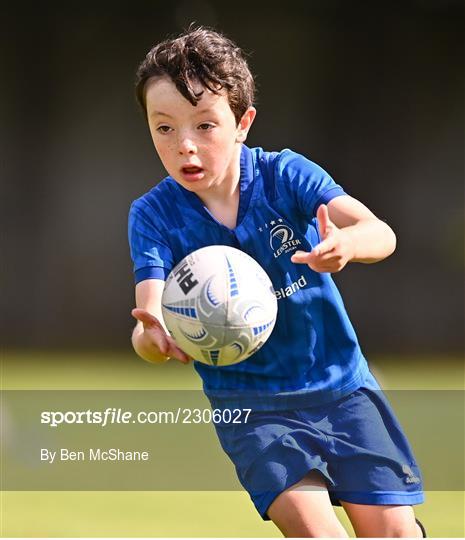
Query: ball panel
219	305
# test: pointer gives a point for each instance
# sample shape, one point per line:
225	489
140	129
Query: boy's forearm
145	348
372	240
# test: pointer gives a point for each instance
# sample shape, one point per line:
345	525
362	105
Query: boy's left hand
333	253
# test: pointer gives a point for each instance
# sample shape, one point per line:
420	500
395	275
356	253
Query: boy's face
198	145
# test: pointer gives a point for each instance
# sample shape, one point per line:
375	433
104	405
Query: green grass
175	513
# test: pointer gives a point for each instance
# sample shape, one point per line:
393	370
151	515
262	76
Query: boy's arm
150	338
350	232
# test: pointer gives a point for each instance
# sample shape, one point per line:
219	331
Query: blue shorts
356	442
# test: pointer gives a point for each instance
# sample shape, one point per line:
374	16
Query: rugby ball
219	305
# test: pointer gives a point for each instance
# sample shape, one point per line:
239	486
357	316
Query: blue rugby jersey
312	356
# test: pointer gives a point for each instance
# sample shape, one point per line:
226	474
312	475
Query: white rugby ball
219	305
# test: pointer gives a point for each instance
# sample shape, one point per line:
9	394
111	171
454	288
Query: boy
320	431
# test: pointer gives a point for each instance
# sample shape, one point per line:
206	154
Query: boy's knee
403	530
315	531
338	532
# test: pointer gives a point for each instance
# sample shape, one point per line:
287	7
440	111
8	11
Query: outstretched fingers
324	223
331	254
325	247
301	257
165	343
146	318
175	352
320	254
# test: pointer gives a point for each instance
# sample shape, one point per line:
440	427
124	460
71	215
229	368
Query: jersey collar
246	183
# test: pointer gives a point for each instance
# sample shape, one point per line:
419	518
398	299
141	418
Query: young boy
320	431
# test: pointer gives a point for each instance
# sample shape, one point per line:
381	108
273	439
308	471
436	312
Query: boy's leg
382	521
304	510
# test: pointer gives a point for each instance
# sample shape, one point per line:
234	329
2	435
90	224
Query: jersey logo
295	286
410	477
281	237
280	234
282	240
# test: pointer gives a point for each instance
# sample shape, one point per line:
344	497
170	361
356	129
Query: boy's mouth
192	173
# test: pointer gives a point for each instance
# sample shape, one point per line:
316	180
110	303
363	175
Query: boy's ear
245	123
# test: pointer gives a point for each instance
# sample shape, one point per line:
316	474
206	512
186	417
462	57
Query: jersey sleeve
305	181
151	254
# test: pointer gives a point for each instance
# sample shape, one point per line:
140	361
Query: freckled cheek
165	156
164	149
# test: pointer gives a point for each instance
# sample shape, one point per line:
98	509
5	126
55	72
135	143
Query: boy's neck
225	210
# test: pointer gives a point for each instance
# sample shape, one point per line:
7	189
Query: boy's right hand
157	337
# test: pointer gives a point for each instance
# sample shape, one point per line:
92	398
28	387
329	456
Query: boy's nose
187	146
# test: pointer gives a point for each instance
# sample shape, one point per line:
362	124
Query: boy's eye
163	129
206	126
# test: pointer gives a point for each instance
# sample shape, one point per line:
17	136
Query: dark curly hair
203	55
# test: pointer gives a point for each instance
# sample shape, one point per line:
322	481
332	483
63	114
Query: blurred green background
372	91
